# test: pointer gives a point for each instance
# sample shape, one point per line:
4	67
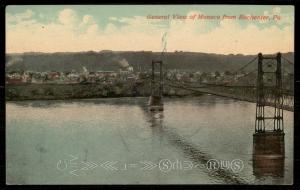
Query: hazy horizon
99	51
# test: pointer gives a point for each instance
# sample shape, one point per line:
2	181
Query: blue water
117	141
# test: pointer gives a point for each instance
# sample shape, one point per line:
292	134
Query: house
54	75
14	78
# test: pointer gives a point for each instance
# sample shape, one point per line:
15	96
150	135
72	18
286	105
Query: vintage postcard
149	94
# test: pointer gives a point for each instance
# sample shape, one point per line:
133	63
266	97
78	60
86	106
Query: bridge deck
229	95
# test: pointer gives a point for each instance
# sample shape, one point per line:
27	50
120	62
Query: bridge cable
283	68
287	60
243	67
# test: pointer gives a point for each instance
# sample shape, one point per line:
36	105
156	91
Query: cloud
88	19
110	28
74	33
276	10
41	15
67	17
113	18
285	18
266	13
19	17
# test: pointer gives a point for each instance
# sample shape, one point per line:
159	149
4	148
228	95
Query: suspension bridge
235	88
264	87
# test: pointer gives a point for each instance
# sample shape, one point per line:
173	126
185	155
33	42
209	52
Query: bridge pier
155	103
156	99
268	154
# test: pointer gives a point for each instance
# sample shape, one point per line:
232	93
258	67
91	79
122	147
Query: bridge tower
269	93
268	142
156	97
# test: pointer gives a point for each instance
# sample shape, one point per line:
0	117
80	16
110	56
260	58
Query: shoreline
22	92
93	98
75	99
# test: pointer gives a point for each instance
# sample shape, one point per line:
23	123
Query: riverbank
54	91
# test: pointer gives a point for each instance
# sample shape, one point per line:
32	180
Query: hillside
110	60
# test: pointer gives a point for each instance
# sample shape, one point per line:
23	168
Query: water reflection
189	149
268	155
155	119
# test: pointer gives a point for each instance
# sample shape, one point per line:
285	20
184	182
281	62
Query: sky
74	28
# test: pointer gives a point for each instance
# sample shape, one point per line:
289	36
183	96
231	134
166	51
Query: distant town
123	80
110	77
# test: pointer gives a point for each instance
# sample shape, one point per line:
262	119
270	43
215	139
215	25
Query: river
118	141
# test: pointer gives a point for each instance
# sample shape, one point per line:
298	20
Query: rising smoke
124	63
14	61
164	42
